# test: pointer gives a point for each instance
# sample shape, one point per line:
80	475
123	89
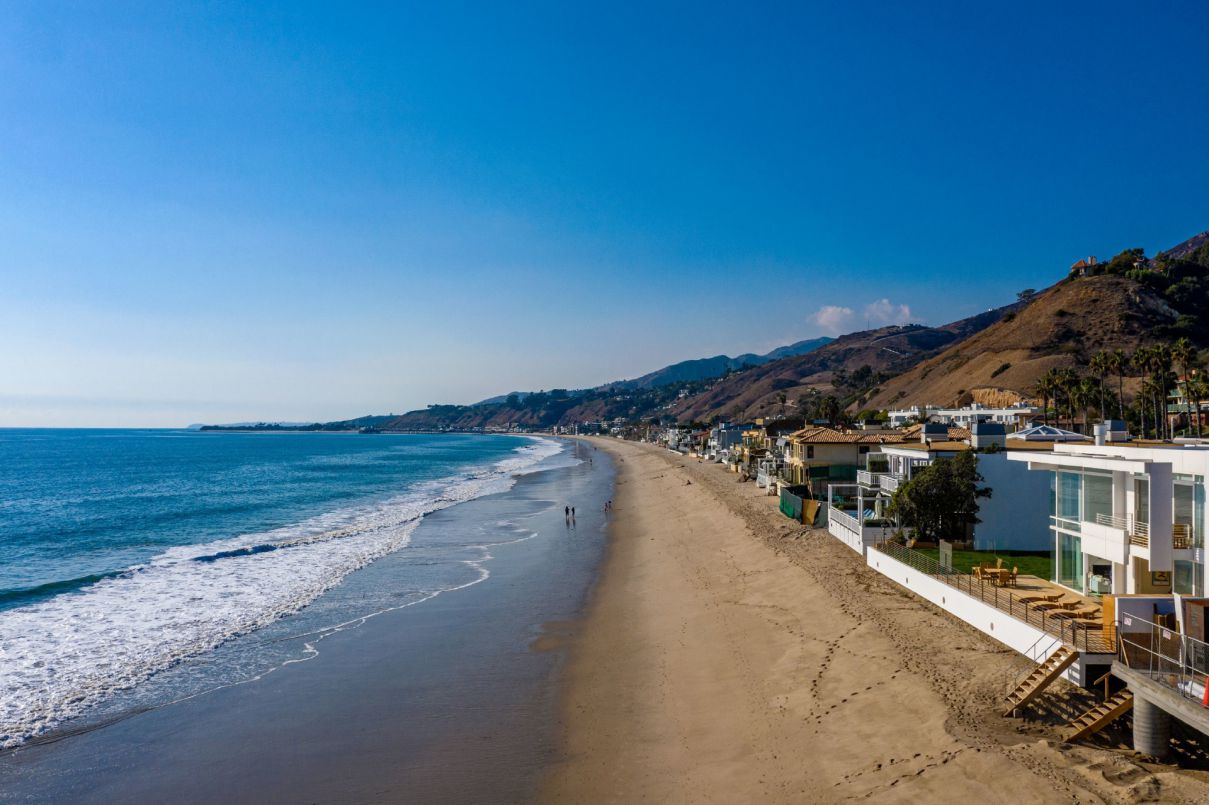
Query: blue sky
293	211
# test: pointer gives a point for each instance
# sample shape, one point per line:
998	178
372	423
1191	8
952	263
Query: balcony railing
889	482
843	518
1113	521
1175	661
1139	532
1069	632
868	477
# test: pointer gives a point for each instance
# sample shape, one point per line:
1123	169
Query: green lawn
1030	563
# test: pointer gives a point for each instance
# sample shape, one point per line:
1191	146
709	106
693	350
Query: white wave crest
61	656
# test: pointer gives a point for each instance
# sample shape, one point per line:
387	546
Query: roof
951	446
956	434
824	435
1047	433
958	446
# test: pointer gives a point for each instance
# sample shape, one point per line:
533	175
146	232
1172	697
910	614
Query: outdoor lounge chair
1050	606
1037	598
1075	614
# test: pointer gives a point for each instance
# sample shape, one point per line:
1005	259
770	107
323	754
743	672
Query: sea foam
63	655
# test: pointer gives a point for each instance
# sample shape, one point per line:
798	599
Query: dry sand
731	655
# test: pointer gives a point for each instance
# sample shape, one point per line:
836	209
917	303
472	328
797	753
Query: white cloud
883	312
836	319
833	319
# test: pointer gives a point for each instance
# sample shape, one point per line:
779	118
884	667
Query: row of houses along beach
1086	555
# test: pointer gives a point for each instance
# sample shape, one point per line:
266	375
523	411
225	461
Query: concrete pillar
1151	728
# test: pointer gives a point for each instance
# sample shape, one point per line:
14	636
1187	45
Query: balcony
868	478
1139	533
889	483
857	534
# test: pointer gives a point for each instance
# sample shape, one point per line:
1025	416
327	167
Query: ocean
140	568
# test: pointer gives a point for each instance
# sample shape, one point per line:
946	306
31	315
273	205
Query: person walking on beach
567	512
572	512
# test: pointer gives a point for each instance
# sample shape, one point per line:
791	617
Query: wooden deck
1023	601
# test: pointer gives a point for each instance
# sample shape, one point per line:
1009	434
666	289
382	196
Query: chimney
1101	433
985	434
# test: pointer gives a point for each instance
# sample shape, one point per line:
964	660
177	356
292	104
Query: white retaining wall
1015	634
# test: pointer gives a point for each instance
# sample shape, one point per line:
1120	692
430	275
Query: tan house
818	454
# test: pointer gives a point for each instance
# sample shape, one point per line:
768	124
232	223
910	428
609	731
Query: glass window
1141	500
1070	561
1198	512
1185	576
1097	497
1069	488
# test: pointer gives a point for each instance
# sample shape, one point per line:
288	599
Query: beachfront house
1014	517
1126	517
1183	412
819	454
1011	417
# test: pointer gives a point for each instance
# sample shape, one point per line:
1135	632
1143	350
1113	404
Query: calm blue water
123	553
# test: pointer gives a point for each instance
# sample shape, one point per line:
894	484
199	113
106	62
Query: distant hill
706	368
886	351
687	371
1061	327
369	421
994	357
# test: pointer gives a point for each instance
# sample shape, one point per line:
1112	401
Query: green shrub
1003	367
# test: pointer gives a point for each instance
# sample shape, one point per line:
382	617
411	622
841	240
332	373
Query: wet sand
732	655
450	700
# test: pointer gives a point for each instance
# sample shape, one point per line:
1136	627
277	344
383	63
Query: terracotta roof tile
820	434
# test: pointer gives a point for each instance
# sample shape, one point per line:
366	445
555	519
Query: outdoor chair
1075	614
1037	598
1050	606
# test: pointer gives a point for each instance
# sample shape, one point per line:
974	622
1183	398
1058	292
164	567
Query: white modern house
1015	516
1012	417
1126	517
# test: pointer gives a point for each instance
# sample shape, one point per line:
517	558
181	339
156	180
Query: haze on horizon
293	212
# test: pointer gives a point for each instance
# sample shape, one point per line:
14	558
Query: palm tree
1119	363
1183	353
829	408
1141	360
1084	394
1067	380
1044	388
1101	365
1164	379
1199	390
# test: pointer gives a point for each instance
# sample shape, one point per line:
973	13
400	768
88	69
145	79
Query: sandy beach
731	655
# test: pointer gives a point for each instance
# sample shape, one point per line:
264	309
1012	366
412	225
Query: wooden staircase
1040	678
1100	716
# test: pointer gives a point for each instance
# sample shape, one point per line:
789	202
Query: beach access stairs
1099	716
1040	678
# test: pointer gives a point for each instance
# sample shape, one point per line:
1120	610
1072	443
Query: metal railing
1175	661
1139	532
1113	521
1076	635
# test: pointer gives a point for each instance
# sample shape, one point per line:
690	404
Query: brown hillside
889	350
1062	327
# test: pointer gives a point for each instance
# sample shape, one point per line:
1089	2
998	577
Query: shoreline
731	654
453	699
